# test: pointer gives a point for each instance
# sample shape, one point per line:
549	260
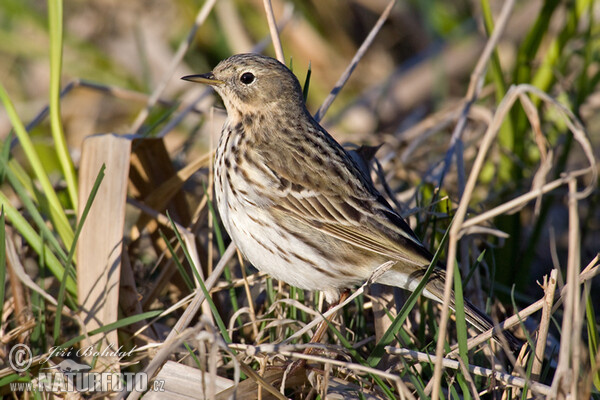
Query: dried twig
540	347
183	46
357	57
507	379
274	31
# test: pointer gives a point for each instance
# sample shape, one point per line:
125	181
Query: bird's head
251	82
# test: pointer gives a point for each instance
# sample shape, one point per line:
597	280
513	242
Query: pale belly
279	253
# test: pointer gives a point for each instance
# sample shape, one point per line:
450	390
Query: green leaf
207	296
36	242
396	325
593	339
2	258
55	22
112	326
57	213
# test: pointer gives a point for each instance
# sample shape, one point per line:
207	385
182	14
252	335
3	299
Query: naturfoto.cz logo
71	376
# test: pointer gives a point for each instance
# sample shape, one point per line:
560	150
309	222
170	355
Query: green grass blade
12	378
35	241
5	156
533	40
360	359
217	228
68	266
207	296
461	329
55	21
57	213
593	339
112	326
461	324
2	258
546	73
221	247
389	335
182	272
33	211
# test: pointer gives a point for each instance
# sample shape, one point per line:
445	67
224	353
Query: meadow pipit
294	202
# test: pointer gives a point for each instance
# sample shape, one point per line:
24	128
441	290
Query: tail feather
483	323
477	318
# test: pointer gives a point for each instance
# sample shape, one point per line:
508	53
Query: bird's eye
247	78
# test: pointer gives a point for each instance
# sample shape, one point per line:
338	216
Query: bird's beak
208	79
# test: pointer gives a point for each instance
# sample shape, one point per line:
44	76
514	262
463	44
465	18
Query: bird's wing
347	220
344	206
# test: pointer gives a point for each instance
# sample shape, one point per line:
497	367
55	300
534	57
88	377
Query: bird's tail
477	318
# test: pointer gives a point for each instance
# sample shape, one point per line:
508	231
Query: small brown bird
295	203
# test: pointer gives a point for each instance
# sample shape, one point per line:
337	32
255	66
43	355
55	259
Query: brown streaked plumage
294	202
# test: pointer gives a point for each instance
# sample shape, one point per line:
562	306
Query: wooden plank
186	383
100	245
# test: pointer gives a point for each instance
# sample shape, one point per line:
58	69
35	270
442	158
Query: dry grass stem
542	335
357	57
505	378
274	31
177	57
199	298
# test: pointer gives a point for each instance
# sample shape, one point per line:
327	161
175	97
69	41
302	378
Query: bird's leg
321	329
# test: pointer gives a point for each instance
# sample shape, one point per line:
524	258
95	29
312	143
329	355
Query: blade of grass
217	228
207	296
68	265
387	390
56	211
592	340
5	156
12	378
2	258
532	42
545	75
461	324
112	326
389	335
461	329
221	247
506	135
359	358
36	242
31	208
476	265
182	272
23	177
55	21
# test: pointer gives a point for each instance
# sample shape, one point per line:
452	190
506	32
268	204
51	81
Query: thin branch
274	31
200	18
540	346
357	57
507	379
472	93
